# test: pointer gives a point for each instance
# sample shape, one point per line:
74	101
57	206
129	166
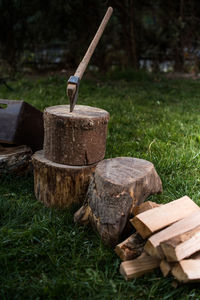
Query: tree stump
118	185
77	138
58	185
15	159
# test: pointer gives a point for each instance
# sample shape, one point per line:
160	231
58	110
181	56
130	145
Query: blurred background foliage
142	33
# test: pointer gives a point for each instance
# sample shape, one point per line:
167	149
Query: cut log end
118	185
131	248
139	266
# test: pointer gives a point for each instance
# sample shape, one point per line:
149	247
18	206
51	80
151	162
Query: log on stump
75	138
60	185
15	159
118	185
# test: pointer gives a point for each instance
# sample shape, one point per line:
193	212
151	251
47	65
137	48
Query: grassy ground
42	253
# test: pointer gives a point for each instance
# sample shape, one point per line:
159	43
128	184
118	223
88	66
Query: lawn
43	254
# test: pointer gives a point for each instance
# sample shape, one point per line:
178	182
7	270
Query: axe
74	81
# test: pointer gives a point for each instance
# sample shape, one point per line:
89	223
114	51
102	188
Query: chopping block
58	185
75	138
21	124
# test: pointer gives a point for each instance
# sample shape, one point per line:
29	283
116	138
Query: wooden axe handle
83	64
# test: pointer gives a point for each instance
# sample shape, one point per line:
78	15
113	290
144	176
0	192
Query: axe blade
72	90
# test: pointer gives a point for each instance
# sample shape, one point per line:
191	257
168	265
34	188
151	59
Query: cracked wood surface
77	138
60	185
117	186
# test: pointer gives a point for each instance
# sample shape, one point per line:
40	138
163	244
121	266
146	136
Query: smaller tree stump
58	185
119	184
15	159
75	138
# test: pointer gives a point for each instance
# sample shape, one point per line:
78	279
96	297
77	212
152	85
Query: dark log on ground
131	248
15	159
77	138
119	184
60	185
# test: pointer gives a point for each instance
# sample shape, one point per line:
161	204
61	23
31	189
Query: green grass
43	254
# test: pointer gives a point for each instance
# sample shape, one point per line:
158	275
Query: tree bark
118	185
77	138
15	159
60	185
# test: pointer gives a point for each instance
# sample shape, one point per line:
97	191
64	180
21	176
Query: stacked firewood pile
167	236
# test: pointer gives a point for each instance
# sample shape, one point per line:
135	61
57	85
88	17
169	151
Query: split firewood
152	247
187	270
131	248
118	185
144	207
182	245
151	221
137	267
166	267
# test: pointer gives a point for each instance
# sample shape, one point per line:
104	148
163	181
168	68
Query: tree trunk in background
179	49
126	17
132	39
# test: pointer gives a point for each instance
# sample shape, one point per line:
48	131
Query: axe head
72	90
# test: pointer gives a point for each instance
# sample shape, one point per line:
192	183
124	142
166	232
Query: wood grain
75	139
182	245
190	222
58	185
154	220
118	185
135	268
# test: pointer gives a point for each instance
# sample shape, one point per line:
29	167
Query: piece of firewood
77	138
165	267
152	247
151	221
137	267
131	248
187	270
182	245
60	185
144	207
118	185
